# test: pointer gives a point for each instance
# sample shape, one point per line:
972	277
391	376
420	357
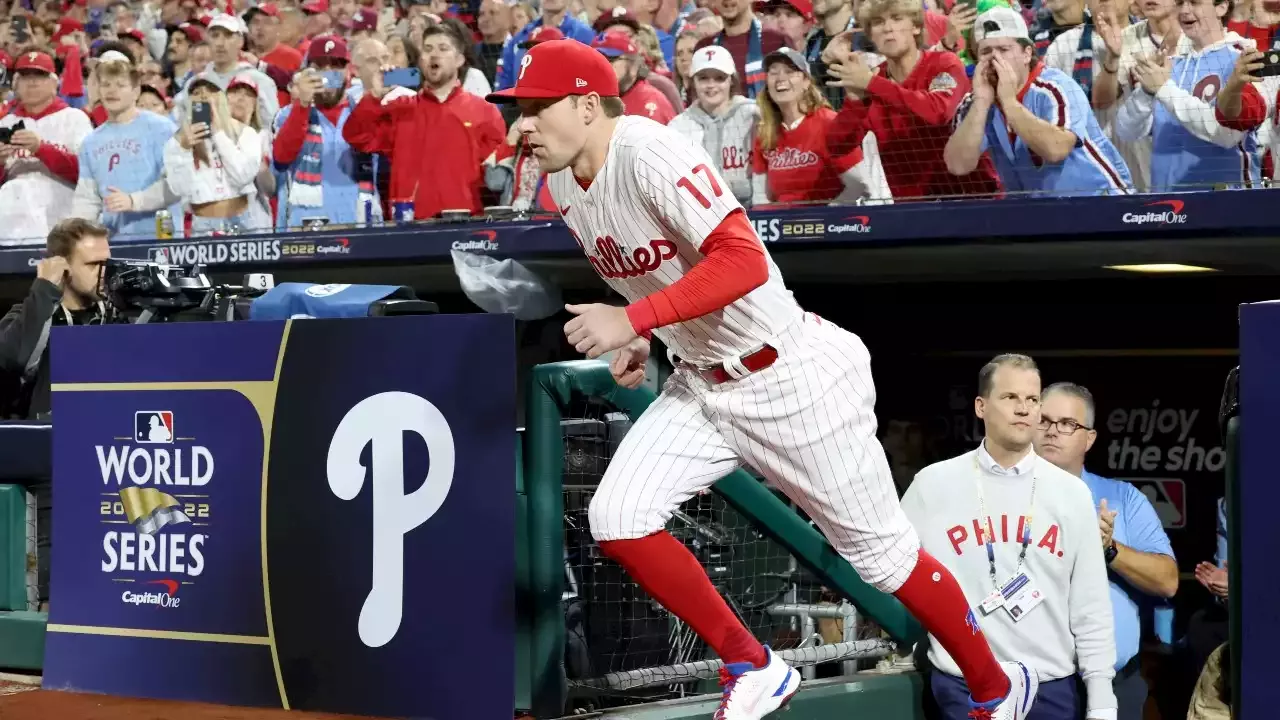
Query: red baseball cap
329	47
244	81
269	9
541	34
316	7
363	20
617	16
194	33
804	7
66	26
613	44
42	62
559	68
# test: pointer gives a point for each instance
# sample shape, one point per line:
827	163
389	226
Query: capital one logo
1172	216
382	420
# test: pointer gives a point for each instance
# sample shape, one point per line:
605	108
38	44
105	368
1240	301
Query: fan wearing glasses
1134	543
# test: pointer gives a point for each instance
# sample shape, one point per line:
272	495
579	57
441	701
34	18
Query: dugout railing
543	687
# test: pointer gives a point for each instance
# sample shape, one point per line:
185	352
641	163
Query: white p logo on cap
525	62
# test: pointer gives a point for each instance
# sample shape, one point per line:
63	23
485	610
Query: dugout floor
25	702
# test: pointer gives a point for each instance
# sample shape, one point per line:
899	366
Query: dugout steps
895	697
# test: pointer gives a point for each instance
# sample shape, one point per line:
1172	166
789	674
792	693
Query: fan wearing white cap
226	39
721	119
1035	120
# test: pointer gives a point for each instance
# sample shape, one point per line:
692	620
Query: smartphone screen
19	25
409	78
201	113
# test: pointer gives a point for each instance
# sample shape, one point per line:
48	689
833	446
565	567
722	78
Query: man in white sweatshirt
1021	536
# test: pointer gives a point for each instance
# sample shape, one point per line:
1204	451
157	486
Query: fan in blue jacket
554	14
1193	146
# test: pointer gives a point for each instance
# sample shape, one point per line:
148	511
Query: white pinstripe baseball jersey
641	223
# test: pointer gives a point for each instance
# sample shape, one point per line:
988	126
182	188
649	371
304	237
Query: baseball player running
758	381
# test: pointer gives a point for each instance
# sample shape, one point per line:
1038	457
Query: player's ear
980	407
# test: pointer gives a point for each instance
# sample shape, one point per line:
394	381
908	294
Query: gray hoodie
727	139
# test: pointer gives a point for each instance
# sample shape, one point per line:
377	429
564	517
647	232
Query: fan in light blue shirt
1142	566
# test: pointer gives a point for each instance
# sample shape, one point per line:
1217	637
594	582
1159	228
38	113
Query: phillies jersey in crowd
1190	148
641	223
1093	167
38	188
912	123
646	100
799	167
128	157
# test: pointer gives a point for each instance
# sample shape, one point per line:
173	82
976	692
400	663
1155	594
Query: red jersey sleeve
936	104
1253	111
759	166
370	128
733	264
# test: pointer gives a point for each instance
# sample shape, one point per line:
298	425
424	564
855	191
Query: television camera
141	291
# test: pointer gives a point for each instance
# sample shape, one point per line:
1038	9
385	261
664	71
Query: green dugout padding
13	547
552	387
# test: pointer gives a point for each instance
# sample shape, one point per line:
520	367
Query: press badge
1020	597
993	602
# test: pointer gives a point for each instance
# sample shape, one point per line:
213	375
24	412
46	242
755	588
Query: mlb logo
1169	498
153	427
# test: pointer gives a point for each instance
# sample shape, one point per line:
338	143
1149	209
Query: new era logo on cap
559	68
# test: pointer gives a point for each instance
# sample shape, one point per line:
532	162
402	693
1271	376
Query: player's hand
598	329
53	269
627	365
117	201
27	140
1214	578
1006	81
1106	523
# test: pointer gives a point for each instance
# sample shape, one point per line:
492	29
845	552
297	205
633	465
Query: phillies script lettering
1003	533
732	158
790	158
613	262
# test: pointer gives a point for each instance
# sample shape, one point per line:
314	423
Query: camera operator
65	292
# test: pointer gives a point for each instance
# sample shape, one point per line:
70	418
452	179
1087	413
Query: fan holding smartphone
212	163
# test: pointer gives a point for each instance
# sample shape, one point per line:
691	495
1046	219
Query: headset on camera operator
65	292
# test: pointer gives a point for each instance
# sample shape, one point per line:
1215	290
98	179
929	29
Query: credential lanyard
1026	528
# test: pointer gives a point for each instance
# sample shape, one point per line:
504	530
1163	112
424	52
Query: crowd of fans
226	116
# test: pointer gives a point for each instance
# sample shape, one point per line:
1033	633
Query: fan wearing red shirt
638	96
263	22
790	162
1263	25
908	102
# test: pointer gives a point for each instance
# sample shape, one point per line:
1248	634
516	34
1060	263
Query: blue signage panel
330	510
1259	545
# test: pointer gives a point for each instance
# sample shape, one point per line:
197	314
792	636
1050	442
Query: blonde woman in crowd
790	162
721	120
213	166
242	98
683	75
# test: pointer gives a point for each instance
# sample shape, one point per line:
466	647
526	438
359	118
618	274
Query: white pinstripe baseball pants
807	423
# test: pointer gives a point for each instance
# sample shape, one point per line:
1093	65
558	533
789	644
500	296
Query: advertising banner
310	514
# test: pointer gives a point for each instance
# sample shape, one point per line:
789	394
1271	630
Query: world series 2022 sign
287	514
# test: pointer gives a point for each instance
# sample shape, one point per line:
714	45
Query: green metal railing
552	387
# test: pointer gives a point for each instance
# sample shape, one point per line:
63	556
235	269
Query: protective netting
624	648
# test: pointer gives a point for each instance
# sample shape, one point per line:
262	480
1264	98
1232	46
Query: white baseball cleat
750	693
1023	685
